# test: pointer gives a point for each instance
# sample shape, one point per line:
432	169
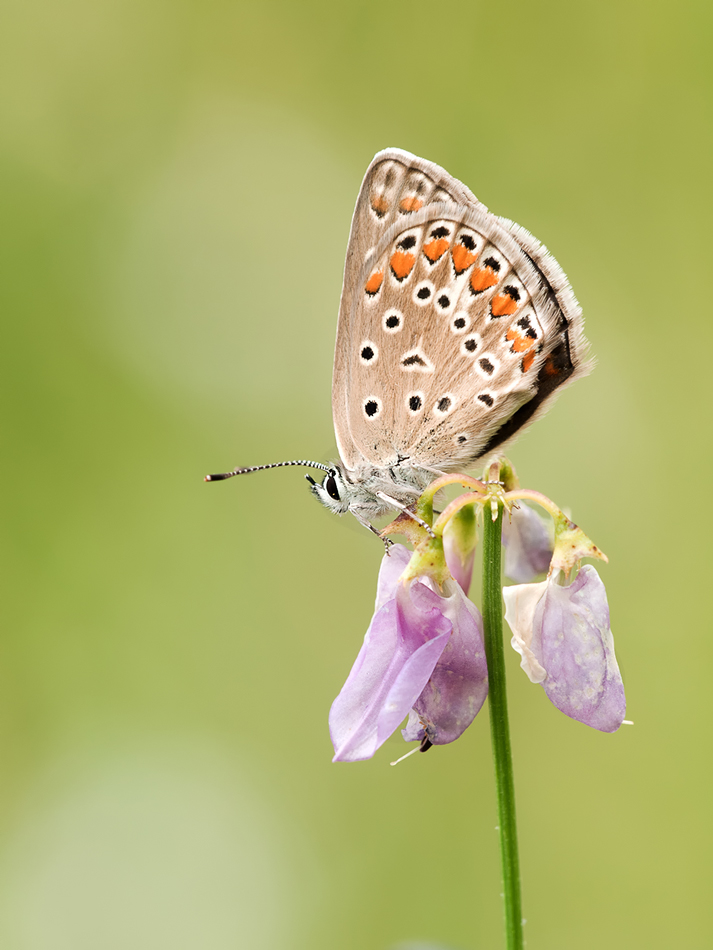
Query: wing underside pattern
456	327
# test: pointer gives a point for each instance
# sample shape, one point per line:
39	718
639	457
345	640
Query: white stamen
627	722
405	756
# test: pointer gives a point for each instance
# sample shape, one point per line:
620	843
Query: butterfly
456	330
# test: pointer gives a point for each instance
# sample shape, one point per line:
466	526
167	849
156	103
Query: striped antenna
259	468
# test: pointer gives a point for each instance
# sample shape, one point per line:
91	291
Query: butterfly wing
456	327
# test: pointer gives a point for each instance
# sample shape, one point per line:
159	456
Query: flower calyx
428	557
571	545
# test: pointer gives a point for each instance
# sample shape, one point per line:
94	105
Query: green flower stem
499	728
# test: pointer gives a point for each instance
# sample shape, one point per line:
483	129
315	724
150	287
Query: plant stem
499	728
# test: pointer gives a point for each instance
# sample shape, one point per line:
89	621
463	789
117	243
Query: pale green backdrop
178	180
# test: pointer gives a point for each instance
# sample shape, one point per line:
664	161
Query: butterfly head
333	491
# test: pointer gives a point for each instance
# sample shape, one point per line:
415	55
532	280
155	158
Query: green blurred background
170	649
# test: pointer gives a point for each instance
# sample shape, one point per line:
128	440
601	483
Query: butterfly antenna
259	468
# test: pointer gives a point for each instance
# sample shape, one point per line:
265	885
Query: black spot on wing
407	243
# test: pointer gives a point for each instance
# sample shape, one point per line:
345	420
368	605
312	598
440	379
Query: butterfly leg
367	524
406	510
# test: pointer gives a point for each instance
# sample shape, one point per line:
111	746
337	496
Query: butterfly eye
330	485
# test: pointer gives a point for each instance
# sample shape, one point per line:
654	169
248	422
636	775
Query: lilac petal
460	567
456	691
413	731
402	645
393	564
521	601
572	637
528	545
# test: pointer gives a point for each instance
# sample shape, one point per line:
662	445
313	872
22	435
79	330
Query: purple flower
424	652
458	686
528	545
562	634
460	565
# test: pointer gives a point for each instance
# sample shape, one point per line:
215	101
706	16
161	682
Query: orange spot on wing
408	205
402	264
482	278
374	282
550	367
527	360
380	205
503	305
435	249
462	258
520	341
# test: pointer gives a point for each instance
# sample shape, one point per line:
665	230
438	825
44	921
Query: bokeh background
178	180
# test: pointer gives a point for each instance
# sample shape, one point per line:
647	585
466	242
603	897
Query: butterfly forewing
455	326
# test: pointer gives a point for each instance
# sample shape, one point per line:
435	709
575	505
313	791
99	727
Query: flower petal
576	648
521	602
458	686
460	566
405	639
528	545
393	564
413	731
